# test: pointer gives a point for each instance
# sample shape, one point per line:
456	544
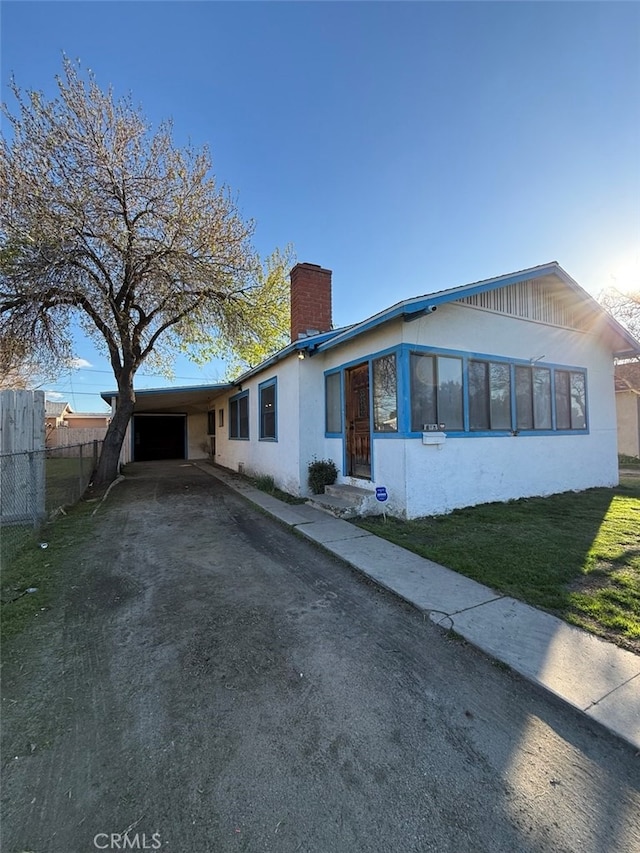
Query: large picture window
436	391
499	396
239	416
267	403
385	394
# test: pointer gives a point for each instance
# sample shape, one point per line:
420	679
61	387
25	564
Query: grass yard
575	554
66	480
43	569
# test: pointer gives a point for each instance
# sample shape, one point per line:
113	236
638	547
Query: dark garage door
159	437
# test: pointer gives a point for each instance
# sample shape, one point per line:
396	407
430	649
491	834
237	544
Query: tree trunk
107	469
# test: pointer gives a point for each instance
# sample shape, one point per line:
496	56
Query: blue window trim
262	385
513	363
402	352
235	398
396	350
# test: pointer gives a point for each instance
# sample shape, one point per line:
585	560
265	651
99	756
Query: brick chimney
310	300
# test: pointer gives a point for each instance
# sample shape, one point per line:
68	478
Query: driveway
211	682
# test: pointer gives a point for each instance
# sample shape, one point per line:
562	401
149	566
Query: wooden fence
21	421
22	458
67	436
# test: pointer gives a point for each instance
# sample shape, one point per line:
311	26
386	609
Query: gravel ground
212	682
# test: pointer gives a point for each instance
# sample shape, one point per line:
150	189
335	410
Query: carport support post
80	473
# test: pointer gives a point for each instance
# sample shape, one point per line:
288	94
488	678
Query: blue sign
381	493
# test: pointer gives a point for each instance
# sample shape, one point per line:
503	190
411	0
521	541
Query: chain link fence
35	485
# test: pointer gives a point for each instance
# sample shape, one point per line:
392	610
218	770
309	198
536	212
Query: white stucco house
495	390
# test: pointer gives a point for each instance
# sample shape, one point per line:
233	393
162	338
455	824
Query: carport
170	423
159	436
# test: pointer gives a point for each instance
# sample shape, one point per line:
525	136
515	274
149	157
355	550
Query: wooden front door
358	420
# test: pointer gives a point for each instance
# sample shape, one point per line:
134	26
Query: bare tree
14	368
625	307
107	222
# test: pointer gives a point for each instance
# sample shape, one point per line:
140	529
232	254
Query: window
385	394
239	416
570	394
541	398
220	417
497	395
211	422
533	397
436	391
267	397
524	403
489	395
333	402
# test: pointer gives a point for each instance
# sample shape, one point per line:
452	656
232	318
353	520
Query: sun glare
624	274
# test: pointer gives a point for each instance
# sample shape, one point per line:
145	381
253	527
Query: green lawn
576	555
23	562
64	484
44	569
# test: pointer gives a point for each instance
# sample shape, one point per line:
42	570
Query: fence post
36	494
81	480
32	497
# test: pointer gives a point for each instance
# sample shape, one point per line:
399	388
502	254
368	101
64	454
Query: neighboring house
495	390
88	420
64	427
627	384
54	414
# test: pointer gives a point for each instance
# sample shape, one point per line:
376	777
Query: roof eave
107	396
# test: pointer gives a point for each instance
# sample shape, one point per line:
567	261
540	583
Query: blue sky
406	146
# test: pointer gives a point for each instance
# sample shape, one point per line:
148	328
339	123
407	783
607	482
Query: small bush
322	472
628	461
265	483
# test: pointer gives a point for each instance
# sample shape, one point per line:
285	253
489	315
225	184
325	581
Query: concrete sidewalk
596	677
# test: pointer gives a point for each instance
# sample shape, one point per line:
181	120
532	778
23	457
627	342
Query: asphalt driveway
211	682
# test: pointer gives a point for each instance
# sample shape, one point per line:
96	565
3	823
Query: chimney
310	300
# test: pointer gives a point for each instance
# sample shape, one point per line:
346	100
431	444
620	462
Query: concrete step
343	490
344	501
336	505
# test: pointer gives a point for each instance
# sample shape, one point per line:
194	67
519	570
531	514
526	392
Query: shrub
628	461
322	472
265	483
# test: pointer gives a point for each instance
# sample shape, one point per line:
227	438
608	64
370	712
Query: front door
358	420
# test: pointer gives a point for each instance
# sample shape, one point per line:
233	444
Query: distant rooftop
54	410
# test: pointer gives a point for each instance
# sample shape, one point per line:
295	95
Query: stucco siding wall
389	335
628	410
87	423
278	458
197	438
389	469
425	479
464	472
312	442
